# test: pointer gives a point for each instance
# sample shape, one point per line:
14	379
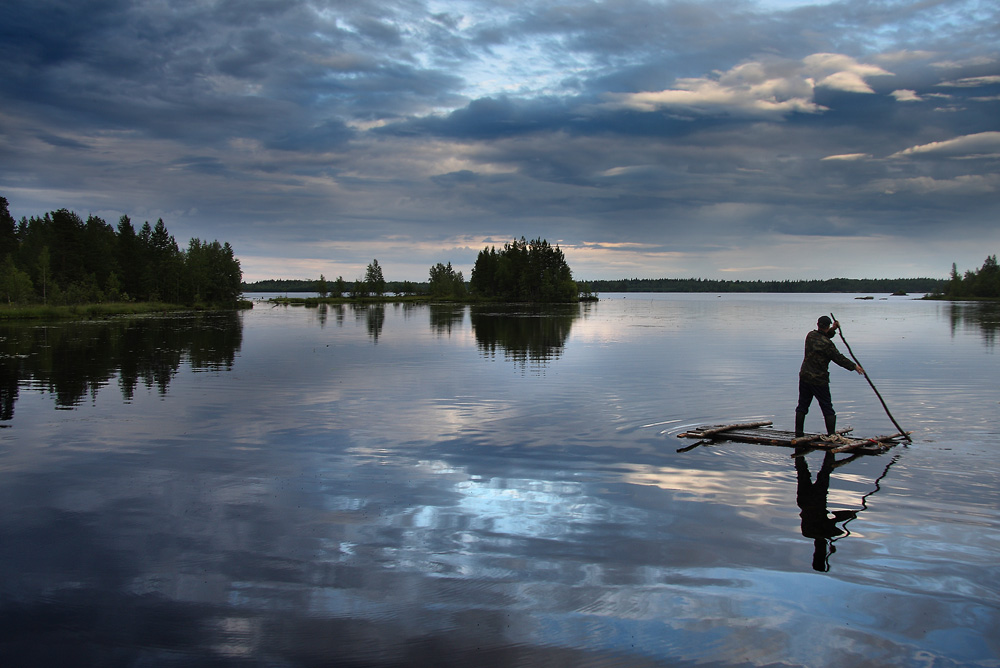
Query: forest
982	283
60	259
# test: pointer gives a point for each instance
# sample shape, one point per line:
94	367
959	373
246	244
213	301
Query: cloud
701	96
840	72
848	82
647	137
972	82
906	95
631	246
848	157
979	145
773	88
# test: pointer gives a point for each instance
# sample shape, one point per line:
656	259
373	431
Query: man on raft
814	374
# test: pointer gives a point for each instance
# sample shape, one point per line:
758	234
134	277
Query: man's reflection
816	520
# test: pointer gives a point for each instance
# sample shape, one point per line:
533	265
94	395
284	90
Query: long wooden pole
905	434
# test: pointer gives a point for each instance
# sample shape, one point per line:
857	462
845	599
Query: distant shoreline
845	285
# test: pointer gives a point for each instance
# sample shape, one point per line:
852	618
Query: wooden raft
761	432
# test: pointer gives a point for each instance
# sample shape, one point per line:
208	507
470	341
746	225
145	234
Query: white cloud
849	82
972	82
833	70
982	144
905	95
702	96
757	89
848	156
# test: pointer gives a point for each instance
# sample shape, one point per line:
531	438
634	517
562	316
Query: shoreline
102	310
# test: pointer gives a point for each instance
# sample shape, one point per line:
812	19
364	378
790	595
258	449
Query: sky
647	138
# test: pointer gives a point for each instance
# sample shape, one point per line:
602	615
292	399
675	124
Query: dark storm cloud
649	138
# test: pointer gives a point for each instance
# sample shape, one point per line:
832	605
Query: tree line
982	283
522	271
59	258
445	283
372	285
535	271
909	285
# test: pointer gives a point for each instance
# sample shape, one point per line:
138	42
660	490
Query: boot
831	424
800	424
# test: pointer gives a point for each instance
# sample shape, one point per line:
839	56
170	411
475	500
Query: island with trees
522	271
58	260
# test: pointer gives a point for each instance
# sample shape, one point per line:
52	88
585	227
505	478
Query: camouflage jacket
820	351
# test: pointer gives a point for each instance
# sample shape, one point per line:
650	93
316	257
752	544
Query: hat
824	321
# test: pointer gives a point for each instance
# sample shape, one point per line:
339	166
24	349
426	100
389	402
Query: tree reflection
72	360
524	334
444	317
323	312
969	315
374	317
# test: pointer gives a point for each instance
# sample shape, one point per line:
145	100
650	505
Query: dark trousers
822	393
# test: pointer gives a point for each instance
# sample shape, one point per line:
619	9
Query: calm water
473	487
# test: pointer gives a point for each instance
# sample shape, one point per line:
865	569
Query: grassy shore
95	311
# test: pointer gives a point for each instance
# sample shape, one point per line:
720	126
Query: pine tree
374	280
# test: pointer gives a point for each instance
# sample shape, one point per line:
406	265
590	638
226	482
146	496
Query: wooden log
708	433
693	446
761	437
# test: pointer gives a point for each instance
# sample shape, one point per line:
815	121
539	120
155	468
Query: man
814	375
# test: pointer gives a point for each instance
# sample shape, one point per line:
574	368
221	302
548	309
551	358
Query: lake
497	486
